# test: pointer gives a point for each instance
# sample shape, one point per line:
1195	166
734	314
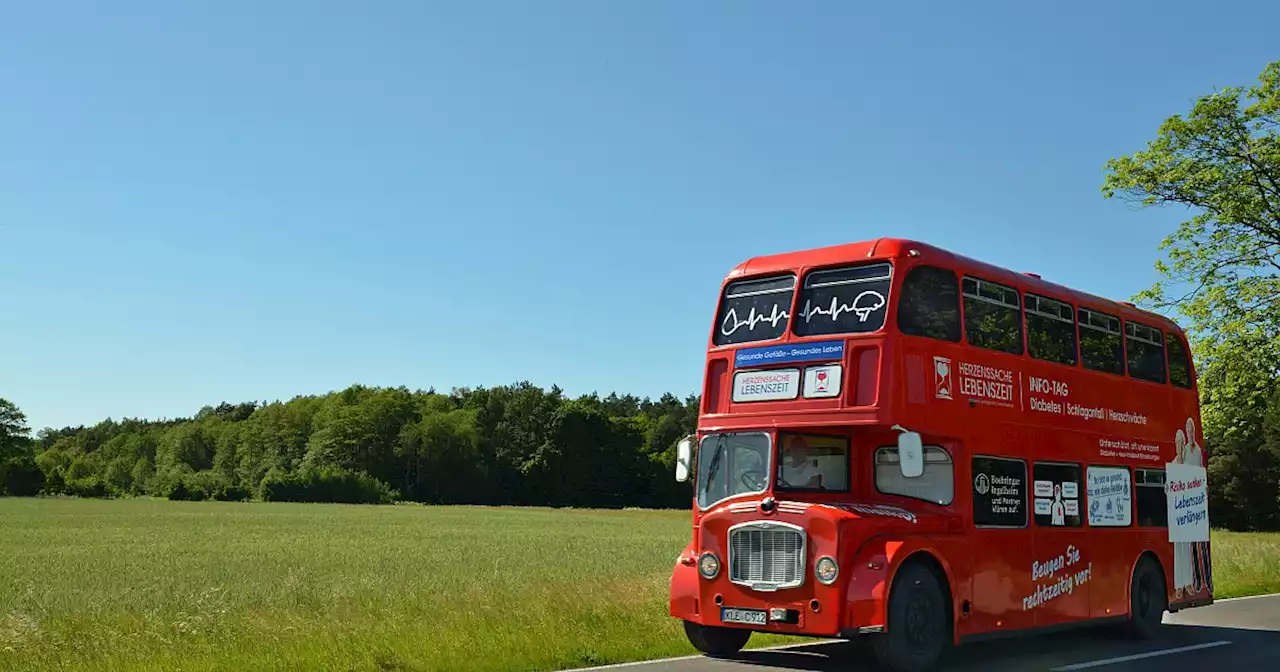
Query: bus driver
797	470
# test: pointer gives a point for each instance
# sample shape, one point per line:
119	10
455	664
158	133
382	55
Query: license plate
748	616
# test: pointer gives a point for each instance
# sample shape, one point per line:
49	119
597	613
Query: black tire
919	627
716	641
1148	599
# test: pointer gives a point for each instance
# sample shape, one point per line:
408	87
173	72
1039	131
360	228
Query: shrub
326	484
20	477
89	486
177	490
224	492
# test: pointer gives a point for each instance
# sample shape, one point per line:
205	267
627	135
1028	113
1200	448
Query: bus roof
892	248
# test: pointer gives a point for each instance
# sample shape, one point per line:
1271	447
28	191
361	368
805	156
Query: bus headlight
708	565
826	570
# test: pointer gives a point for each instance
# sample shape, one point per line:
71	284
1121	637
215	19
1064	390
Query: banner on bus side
1188	499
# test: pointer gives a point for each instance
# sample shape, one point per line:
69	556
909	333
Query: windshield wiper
715	457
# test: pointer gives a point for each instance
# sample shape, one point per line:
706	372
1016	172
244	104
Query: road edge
784	647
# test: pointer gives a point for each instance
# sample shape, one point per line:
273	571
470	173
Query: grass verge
157	585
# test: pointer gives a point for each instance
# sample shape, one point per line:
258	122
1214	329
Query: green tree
1221	161
442	459
14	433
19	474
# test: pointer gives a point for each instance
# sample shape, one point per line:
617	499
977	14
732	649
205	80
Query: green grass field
158	585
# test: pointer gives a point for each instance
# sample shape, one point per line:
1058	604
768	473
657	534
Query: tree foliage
516	444
19	474
1221	161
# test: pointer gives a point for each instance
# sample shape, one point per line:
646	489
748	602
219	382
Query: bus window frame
1164	482
1164	350
1180	338
1026	331
1081	489
804	274
794	276
875	482
1133	497
1026	493
1124	350
900	295
776	469
964	325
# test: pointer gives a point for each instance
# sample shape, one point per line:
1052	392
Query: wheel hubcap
919	621
1144	596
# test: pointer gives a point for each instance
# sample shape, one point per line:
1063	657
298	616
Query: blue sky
243	201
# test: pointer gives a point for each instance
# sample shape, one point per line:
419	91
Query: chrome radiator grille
766	556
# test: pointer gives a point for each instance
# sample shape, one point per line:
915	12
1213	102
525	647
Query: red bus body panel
989	403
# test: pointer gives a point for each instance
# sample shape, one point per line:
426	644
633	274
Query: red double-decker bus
901	443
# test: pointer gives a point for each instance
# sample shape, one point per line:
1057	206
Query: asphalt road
1241	634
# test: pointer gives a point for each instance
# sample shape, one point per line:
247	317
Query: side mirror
910	455
684	458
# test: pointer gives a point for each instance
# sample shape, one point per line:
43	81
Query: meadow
141	584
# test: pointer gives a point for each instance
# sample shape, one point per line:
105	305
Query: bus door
1002	543
1064	561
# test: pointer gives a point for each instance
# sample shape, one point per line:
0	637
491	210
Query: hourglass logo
942	377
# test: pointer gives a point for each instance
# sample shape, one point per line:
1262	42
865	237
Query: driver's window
813	462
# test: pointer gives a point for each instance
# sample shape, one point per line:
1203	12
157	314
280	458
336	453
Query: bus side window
999	492
935	485
1051	330
1109	497
992	316
1146	352
930	304
1179	363
1101	348
1057	494
1148	490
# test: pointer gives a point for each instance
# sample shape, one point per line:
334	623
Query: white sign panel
822	381
1109	497
1188	498
1044	489
772	385
1070	490
1043	506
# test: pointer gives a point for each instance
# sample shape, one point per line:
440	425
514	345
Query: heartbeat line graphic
863	309
731	324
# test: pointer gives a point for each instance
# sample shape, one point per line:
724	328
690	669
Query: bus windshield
732	464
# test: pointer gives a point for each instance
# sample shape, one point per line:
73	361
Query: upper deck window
1051	330
1179	362
846	300
1146	352
930	304
754	310
992	316
1101	348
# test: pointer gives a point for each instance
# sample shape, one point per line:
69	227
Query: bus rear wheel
917	630
1147	599
716	641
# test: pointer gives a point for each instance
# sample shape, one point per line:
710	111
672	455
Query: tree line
517	444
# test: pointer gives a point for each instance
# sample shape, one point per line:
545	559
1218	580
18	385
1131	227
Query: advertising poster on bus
1187	498
1109	495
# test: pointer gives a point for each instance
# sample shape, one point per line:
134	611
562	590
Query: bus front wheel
917	627
715	641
